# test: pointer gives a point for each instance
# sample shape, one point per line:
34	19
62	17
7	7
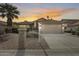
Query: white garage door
50	29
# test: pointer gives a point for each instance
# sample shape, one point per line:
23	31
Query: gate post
22	33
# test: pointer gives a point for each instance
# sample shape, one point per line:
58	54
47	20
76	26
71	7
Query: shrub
77	31
14	30
73	32
8	30
67	31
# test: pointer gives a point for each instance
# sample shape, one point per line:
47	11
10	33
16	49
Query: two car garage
51	28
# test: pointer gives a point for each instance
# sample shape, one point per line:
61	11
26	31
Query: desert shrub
77	31
14	30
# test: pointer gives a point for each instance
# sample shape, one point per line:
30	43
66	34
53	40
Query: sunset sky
56	11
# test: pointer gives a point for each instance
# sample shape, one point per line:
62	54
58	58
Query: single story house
71	24
53	26
48	26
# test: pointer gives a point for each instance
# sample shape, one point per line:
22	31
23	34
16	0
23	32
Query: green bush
77	31
73	32
67	31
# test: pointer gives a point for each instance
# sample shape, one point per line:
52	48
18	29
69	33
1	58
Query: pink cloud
54	12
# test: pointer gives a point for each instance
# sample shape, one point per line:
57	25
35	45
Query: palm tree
9	11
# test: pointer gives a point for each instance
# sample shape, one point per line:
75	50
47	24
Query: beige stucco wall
51	28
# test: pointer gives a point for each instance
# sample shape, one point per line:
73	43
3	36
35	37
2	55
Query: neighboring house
75	26
2	27
26	24
70	24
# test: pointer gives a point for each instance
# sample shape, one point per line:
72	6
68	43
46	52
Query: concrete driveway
62	44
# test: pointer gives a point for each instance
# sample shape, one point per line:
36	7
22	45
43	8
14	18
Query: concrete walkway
30	45
17	44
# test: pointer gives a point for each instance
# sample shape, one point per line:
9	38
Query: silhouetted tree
9	11
47	17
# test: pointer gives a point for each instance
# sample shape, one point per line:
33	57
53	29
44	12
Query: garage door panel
50	29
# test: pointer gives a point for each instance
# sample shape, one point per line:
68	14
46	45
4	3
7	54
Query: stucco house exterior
49	26
53	26
71	24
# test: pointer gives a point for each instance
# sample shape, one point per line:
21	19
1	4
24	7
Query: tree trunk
9	25
9	22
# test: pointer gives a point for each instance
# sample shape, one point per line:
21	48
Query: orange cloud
56	14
